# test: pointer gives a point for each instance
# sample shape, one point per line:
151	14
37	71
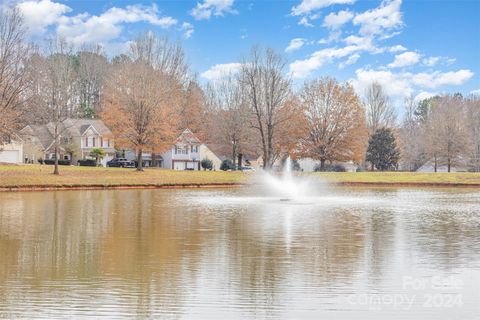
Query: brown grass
40	176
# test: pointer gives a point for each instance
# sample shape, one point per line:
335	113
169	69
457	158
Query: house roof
79	126
223	152
187	137
70	127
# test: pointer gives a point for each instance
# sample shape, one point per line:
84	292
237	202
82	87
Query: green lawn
38	175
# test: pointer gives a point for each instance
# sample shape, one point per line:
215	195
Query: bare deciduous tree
472	109
191	112
231	116
446	131
412	142
92	69
56	74
335	121
14	54
379	111
267	90
143	95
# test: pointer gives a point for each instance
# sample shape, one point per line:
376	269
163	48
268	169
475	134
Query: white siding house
77	139
11	152
206	153
184	154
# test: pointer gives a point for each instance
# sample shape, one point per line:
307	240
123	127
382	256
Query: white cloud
403	84
405	59
431	61
397	48
438	78
378	21
351	60
38	15
424	95
219	71
86	28
204	10
187	29
394	84
307	6
295	44
305	22
336	20
303	68
358	41
355	44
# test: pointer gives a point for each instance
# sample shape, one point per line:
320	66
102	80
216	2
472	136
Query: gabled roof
187	137
77	127
41	132
70	127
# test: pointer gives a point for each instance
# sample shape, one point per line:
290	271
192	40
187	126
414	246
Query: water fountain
286	185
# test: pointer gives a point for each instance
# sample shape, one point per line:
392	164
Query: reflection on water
355	253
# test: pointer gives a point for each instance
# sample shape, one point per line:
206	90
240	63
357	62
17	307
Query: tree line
148	94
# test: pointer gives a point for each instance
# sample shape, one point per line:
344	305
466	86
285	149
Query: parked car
121	163
247	168
244	168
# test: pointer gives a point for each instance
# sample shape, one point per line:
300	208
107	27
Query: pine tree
382	150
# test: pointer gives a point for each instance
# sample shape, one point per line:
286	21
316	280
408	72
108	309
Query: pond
352	253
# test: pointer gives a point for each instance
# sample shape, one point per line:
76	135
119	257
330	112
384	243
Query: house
12	151
207	153
184	154
77	139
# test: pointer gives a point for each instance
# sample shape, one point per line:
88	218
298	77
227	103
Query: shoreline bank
25	188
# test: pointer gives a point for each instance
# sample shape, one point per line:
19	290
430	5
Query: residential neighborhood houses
80	136
185	154
77	140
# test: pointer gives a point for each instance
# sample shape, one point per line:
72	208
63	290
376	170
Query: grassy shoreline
38	177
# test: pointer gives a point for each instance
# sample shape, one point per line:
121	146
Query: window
65	140
101	142
194	149
181	150
93	142
86	141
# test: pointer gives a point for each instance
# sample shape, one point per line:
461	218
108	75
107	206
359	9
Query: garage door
9	156
179	165
191	165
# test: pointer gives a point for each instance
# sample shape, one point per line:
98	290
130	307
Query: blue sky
416	48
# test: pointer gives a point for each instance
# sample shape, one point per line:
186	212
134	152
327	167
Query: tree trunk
372	167
435	163
240	158
139	160
270	146
55	170
322	164
234	155
449	164
265	161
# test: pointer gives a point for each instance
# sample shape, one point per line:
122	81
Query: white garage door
179	165
9	156
191	165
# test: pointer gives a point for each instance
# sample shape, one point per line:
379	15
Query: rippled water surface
228	254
